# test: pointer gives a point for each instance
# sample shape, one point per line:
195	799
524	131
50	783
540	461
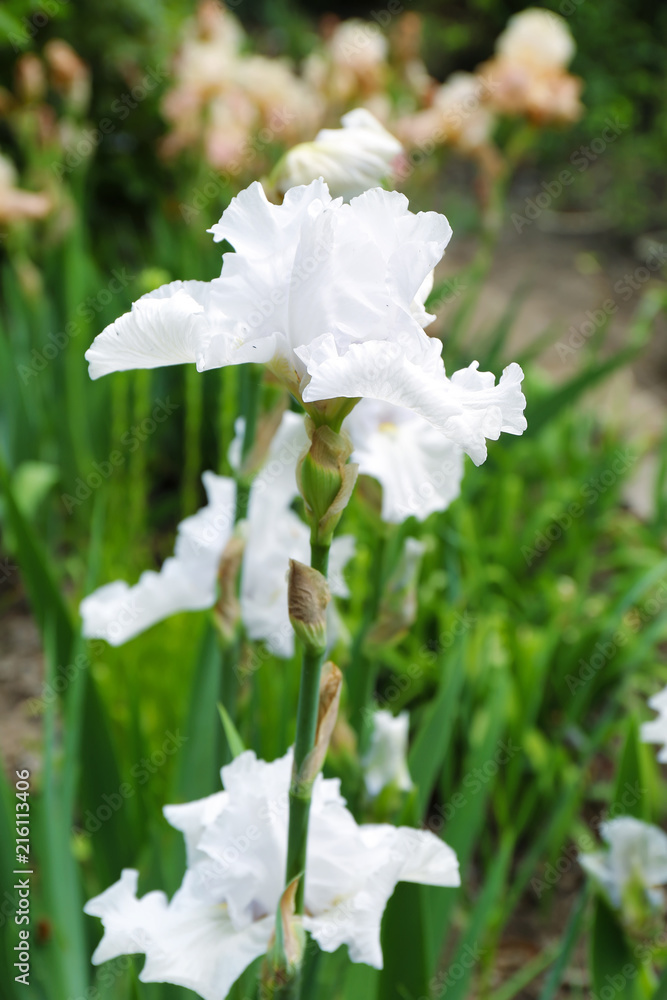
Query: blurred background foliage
621	53
535	610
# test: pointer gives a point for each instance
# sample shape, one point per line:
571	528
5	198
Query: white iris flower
223	916
188	580
324	294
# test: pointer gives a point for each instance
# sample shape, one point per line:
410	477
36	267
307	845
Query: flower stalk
308	615
326	480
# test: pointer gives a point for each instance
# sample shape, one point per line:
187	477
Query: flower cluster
223	97
223	916
527	78
528	75
330	295
188	581
225	100
327	295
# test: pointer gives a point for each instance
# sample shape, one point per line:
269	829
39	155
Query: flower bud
30	78
285	954
326	480
228	608
327	713
308	596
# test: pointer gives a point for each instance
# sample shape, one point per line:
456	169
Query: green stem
250	386
306	730
194	404
250	381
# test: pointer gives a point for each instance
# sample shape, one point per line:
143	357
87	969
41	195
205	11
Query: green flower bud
326	480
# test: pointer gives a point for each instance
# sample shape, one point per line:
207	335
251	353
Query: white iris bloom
323	293
420	470
637	856
187	581
223	916
350	159
655	731
386	761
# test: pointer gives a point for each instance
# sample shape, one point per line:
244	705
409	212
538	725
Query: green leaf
542	411
31	483
45	594
234	741
469	803
201	758
469	950
433	738
109	807
570	939
630	796
661	992
610	952
58	869
405	973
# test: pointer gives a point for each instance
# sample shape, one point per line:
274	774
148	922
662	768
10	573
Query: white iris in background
324	294
636	858
537	37
386	761
655	731
188	580
350	159
223	916
420	470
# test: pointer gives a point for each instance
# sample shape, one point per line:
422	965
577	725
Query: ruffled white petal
351	159
468	408
166	327
313	267
418	307
256	228
187	581
222	916
126	919
412	244
384	855
192	818
420	470
185	942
